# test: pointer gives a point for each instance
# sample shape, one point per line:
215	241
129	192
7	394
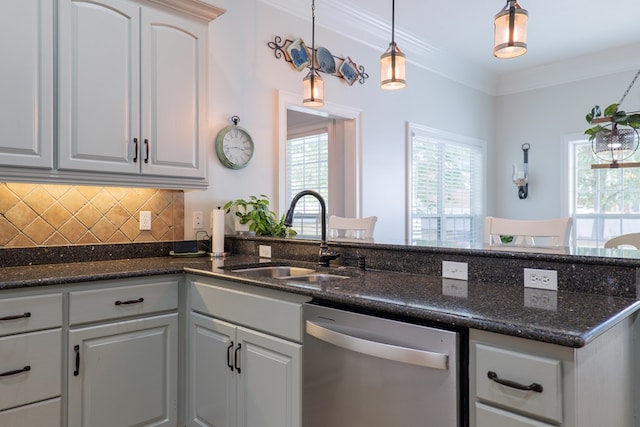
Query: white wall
541	117
244	79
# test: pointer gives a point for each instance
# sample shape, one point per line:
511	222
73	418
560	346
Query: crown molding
201	9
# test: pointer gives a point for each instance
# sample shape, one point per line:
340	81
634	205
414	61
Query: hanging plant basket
615	145
616	139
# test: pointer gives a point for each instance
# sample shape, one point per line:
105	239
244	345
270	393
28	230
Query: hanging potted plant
614	134
254	216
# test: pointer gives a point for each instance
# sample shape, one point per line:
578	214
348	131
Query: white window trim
566	159
288	100
438	134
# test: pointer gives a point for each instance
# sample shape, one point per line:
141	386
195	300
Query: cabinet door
99	76
212	376
124	373
26	83
269	382
174	64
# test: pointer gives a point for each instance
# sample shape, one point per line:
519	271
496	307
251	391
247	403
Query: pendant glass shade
313	89
392	68
510	31
615	146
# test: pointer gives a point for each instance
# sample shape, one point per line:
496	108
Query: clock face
234	147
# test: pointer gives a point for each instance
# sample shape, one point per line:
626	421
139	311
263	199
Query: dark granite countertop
564	318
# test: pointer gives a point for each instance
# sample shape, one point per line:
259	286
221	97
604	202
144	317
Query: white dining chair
630	239
547	232
356	229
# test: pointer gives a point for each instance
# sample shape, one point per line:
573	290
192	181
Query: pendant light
392	62
312	84
510	31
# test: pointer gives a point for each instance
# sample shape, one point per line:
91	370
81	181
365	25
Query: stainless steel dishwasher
363	370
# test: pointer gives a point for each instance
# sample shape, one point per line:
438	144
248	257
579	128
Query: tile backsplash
53	215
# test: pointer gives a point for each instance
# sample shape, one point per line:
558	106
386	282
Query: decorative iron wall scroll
298	54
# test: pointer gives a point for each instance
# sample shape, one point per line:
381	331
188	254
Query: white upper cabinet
26	83
132	91
174	52
99	111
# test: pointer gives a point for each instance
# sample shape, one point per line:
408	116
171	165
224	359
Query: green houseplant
261	220
612	119
614	135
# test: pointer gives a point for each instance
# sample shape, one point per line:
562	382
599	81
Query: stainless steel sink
274	271
314	277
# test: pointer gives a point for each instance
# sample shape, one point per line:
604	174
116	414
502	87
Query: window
446	188
604	203
307	160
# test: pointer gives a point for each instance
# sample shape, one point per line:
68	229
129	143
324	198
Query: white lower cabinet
516	382
239	376
242	377
123	354
124	374
30	360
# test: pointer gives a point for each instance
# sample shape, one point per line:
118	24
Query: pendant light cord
626	92
313	35
393	21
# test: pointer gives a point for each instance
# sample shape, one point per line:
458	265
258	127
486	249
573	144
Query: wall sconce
312	84
392	61
510	31
521	173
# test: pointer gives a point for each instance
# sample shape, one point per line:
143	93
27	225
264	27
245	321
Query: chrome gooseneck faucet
325	254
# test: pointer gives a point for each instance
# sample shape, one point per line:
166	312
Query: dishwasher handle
406	355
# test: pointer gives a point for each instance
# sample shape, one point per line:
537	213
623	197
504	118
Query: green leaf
610	110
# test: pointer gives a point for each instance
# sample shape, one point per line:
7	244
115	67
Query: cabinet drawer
487	416
32	364
267	310
41	414
112	303
31	313
524	369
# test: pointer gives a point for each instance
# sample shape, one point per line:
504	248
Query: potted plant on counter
255	214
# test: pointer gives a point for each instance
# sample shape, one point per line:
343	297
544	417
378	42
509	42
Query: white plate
325	60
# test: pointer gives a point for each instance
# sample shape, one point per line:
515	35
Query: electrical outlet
455	270
541	279
145	220
265	251
197	220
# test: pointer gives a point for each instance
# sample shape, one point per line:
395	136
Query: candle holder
520	175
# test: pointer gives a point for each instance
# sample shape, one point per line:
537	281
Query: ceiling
455	38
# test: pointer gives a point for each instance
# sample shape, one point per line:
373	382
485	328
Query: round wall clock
234	145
